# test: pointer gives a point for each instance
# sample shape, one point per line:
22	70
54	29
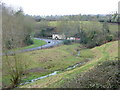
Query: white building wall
54	36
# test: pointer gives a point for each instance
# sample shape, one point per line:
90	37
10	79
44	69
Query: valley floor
104	53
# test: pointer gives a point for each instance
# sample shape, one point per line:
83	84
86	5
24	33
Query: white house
58	36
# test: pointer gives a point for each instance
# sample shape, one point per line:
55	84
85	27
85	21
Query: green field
100	54
87	24
57	58
45	61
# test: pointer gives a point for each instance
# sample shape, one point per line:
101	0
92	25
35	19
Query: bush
37	34
28	40
14	66
104	75
109	38
67	42
9	44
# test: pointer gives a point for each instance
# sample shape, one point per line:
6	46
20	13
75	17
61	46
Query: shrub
67	42
9	44
14	66
109	38
28	40
104	75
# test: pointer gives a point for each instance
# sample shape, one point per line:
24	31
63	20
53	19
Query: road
50	43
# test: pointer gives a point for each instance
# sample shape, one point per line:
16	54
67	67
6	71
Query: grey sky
64	7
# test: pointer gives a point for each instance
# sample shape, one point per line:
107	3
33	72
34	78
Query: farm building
73	38
58	36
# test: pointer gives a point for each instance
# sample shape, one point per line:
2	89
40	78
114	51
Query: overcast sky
64	7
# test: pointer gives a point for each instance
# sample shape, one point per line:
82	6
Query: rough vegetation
91	33
104	75
16	28
107	65
16	31
58	58
97	48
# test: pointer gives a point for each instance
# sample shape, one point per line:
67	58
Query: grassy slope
54	59
101	53
46	61
37	43
104	75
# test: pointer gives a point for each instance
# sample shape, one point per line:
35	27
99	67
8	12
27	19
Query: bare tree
15	29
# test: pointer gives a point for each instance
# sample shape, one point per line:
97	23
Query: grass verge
37	43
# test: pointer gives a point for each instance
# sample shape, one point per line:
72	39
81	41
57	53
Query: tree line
16	28
111	18
16	32
91	33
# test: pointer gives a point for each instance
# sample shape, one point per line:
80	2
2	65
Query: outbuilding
58	36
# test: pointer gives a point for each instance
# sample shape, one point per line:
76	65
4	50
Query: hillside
105	53
71	27
59	47
45	61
